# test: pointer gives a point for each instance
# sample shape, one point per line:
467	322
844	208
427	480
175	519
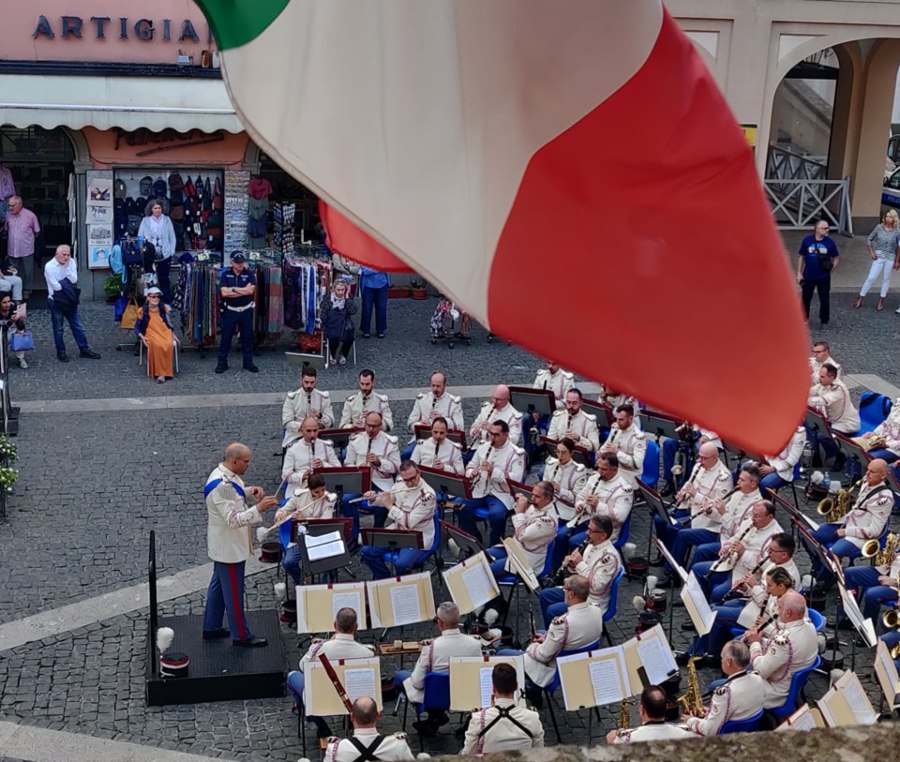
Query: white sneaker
897	310
22	364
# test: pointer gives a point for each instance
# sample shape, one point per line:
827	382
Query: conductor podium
217	671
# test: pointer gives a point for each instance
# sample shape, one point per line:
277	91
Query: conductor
232	509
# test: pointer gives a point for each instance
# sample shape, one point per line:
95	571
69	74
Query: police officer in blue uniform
236	287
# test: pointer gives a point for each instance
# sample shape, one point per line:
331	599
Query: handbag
21	341
119	309
130	315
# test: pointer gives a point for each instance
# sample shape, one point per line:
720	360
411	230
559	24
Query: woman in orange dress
155	331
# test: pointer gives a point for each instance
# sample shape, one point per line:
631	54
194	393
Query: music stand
603	412
514	487
852	452
528	400
454	435
659	424
347	480
392	540
468	544
447	482
301	360
318	527
741	453
339	438
797	517
815	421
314	567
655	501
581	455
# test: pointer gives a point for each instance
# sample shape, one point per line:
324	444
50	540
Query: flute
397	492
336	682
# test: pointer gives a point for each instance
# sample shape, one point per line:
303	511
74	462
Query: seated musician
821	355
698	507
736	512
866	519
366	400
691	436
434	404
410	505
792	647
302	403
598	563
567	478
341	645
574	423
366	743
740	697
435	657
307	454
628	443
744	550
780	470
379	451
438	451
504	725
493	464
831	398
878	584
313	502
497	409
549	378
654	727
887	434
580	627
612	399
534	526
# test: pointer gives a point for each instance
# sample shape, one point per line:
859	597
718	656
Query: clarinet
684	497
726	558
487	456
763	625
437	448
733	593
575	520
312	457
561	572
701	511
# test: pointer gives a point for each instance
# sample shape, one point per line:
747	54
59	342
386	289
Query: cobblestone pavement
92	485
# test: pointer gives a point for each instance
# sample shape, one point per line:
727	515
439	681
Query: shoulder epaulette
382	397
324	394
351	397
392	439
291	395
590	416
420	396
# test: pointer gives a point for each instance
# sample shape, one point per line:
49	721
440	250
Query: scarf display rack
196	300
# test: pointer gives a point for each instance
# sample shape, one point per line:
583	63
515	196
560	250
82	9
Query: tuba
834	509
872	549
692	701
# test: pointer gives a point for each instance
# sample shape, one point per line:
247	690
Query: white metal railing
782	164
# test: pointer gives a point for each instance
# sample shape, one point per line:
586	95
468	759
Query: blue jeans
771	481
406	559
225	595
230	322
497	513
709	551
552	603
826	535
291	563
875	595
377	298
885	455
57	316
688	538
295	682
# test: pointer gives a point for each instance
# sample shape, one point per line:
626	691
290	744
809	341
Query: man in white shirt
302	403
366	742
61	275
779	470
821	354
307	455
437	403
653	721
503	726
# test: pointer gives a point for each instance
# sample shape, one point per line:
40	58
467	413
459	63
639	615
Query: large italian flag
568	171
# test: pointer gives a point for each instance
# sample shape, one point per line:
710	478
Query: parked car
890	191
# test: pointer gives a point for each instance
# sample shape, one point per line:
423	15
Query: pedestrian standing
62	299
884	248
817	257
374	287
237	287
157	228
22	228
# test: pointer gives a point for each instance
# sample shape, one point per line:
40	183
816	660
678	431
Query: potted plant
111	287
397	292
418	289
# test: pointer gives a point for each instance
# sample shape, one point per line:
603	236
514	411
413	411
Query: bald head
877	471
708	449
500	396
236	457
364	712
791	606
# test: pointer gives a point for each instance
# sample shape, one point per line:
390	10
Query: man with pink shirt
22	228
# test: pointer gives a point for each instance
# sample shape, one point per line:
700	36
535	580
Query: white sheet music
487	685
479	585
346	601
324	546
697	606
606	681
405	603
359	682
656	659
803	719
859	701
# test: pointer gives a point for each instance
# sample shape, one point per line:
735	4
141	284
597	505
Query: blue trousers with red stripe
225	595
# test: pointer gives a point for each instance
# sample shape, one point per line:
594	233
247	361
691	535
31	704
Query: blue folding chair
750	725
613	603
623	533
817	619
436	698
874	409
390	556
650	472
798	683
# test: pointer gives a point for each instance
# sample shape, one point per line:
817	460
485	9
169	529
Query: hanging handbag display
21	341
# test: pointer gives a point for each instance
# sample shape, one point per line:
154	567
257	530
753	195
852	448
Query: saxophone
625	714
881	557
692	701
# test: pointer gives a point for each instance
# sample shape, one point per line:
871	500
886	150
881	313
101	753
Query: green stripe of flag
237	22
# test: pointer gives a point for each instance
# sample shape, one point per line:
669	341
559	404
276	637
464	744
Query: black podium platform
218	670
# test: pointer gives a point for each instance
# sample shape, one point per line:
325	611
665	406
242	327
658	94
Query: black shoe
222	632
668	489
252	368
673	580
688	626
425	727
250	642
62	357
439	718
87	353
221	368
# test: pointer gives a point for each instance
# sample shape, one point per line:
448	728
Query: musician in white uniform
410	505
489	470
821	354
379	451
366	742
606	493
568	478
366	400
831	398
878	583
653	721
437	403
628	443
303	402
497	409
866	519
341	645
698	506
599	563
792	648
534	526
740	697
435	657
307	454
779	470
503	726
438	451
889	430
549	378
311	502
573	422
